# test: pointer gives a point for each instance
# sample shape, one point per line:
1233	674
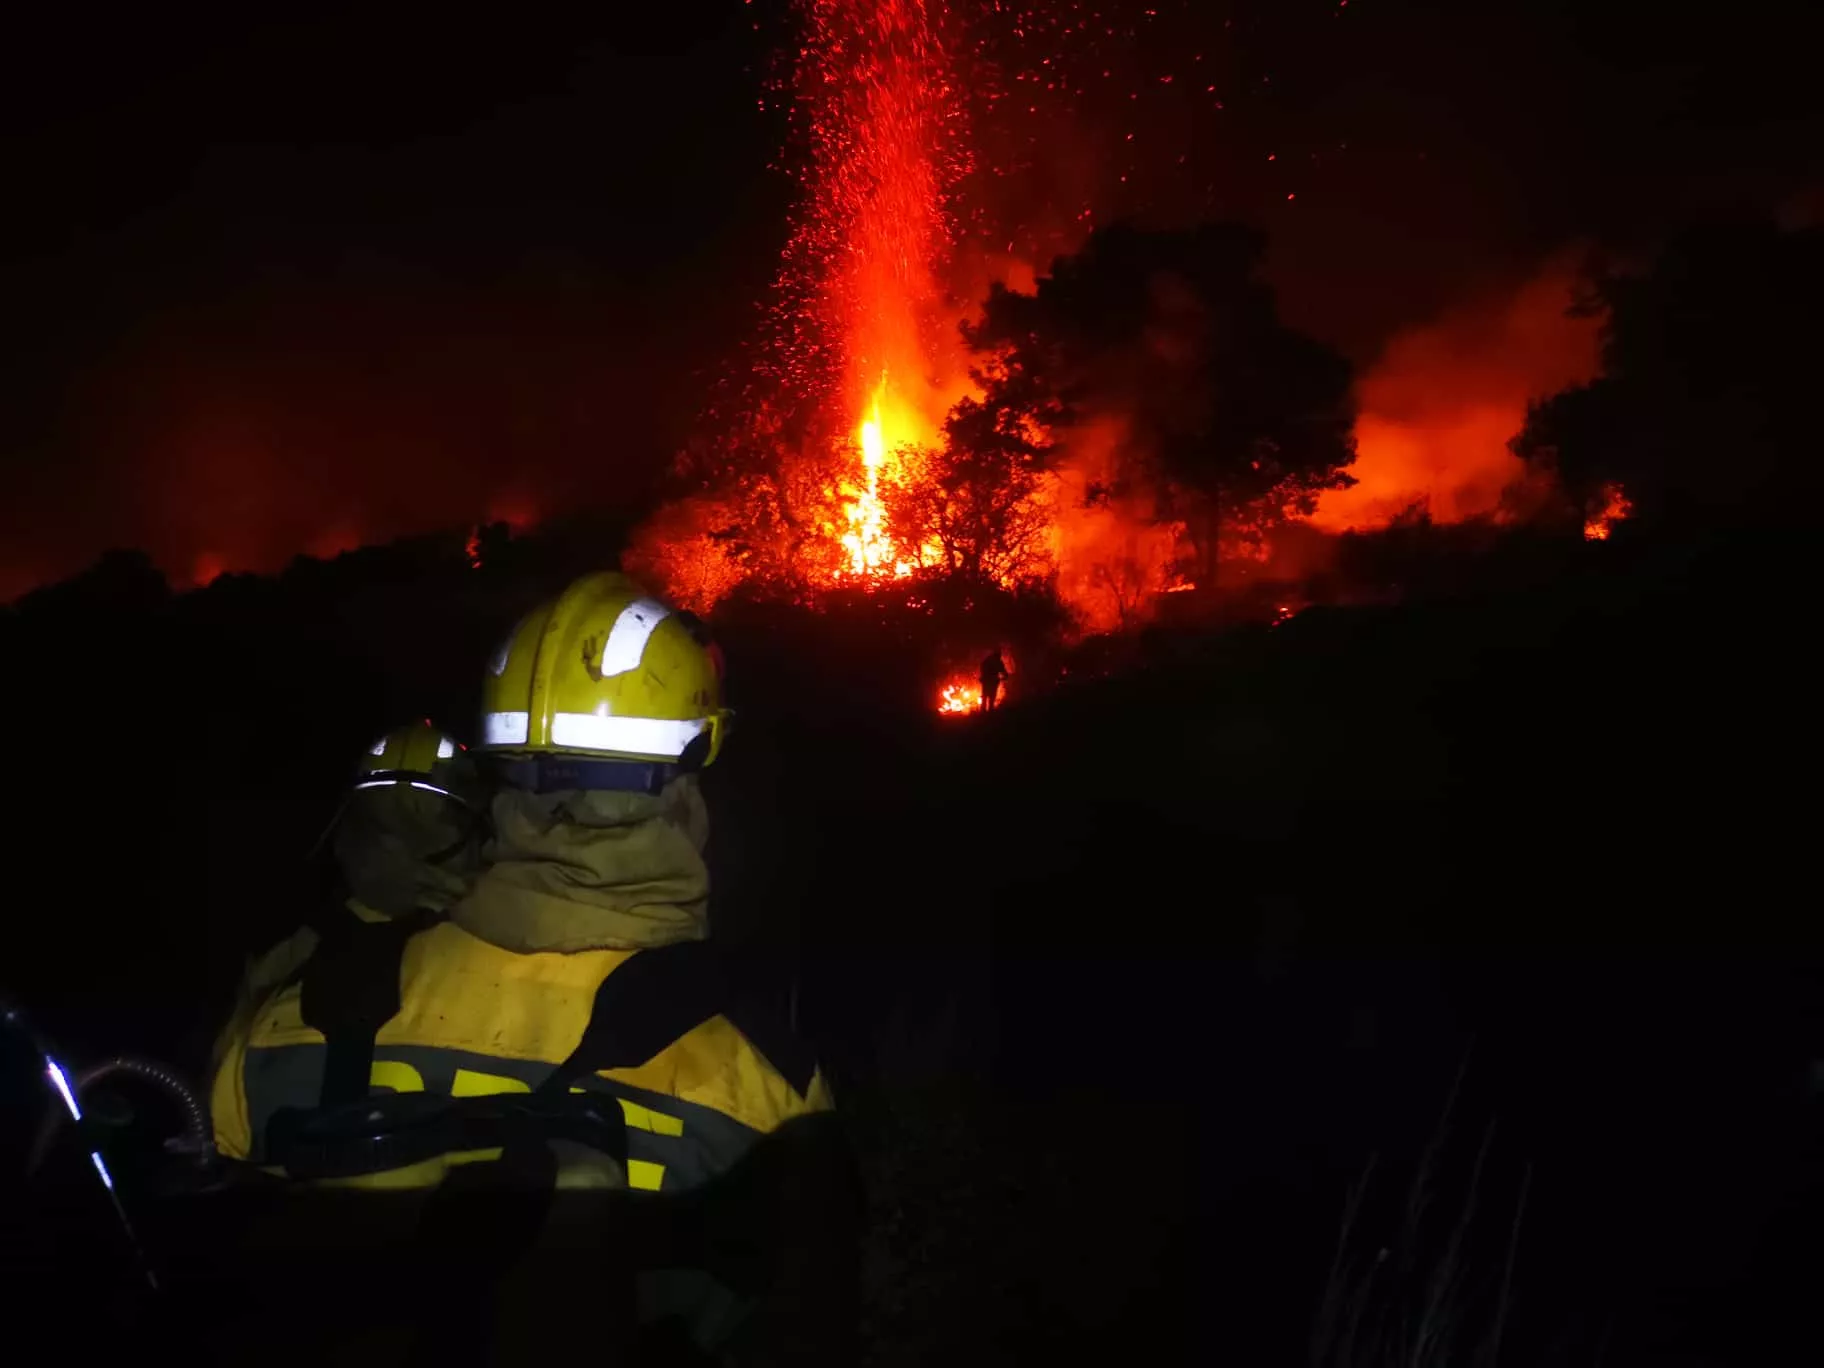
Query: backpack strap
654	999
350	989
659	996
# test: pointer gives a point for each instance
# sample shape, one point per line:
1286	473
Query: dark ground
1124	988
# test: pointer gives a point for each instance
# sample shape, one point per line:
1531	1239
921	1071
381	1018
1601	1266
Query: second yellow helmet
419	756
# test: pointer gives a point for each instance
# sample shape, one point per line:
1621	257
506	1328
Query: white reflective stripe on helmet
632	629
506	728
446	748
626	735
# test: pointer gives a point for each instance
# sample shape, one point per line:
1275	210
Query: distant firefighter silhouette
994	670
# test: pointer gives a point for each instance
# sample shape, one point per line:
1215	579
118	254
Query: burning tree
1231	422
977	504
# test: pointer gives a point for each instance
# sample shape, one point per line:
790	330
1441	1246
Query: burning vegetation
1128	426
1133	423
972	369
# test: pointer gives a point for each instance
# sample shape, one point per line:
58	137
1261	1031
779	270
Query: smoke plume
1438	407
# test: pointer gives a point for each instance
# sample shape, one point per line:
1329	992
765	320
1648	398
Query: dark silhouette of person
994	670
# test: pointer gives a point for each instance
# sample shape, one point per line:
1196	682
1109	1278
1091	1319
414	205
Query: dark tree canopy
1233	419
1711	362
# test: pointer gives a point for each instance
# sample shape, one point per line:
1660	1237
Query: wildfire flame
873	445
884	258
1615	508
959	697
858	301
923	183
869	549
960	693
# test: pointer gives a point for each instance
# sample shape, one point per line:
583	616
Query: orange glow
206	569
333	541
1113	557
517	511
1441	403
1615	508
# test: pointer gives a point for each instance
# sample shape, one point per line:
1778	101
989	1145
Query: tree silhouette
1706	405
1234	421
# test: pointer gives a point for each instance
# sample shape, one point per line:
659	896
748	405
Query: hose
198	1135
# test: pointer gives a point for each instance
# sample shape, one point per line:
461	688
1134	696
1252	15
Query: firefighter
575	972
993	671
404	838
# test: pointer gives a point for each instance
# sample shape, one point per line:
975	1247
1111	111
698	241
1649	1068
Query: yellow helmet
603	687
420	756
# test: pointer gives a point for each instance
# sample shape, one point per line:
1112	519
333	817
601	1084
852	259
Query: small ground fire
959	696
1615	508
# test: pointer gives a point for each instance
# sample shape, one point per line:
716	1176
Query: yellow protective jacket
397	849
577	887
492	1000
477	1019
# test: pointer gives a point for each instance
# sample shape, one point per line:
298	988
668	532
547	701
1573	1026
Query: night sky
278	282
